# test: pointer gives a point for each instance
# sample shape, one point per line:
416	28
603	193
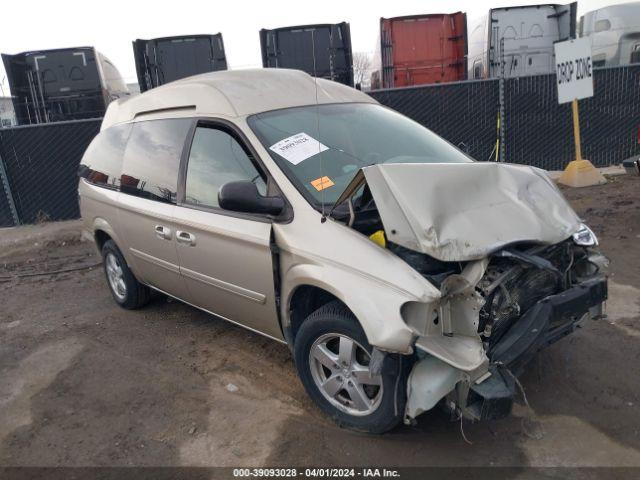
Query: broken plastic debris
232	388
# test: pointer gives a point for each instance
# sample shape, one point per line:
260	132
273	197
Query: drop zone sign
574	71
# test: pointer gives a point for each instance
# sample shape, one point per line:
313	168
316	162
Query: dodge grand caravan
401	273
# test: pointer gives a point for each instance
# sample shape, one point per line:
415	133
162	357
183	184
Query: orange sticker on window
322	183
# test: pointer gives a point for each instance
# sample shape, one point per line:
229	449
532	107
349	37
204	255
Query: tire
321	336
125	288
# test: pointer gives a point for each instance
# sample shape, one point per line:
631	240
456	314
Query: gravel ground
85	383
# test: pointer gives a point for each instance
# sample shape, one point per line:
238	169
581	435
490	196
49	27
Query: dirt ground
85	383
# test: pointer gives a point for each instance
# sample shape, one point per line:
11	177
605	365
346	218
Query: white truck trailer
517	41
615	34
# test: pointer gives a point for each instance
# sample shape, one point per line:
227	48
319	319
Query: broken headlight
585	237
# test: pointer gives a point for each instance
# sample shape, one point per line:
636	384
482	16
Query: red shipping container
422	49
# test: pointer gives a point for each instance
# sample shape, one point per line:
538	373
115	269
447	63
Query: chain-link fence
539	131
536	130
464	113
40	165
8	215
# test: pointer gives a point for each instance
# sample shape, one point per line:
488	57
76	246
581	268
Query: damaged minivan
402	274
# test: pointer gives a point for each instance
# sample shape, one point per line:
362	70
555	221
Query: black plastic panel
55	85
322	51
163	60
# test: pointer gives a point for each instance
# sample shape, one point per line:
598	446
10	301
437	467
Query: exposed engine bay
515	281
504	307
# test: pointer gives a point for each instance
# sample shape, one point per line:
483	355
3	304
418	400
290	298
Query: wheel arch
101	237
376	306
103	231
302	302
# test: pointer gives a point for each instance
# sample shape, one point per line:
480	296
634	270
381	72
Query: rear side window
216	158
102	162
152	159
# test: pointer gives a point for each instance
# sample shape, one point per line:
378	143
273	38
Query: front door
225	257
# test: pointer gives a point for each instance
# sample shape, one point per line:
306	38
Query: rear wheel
125	288
333	359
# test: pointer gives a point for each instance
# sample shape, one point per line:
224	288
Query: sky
112	25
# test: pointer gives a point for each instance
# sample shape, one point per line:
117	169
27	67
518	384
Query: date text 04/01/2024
316	472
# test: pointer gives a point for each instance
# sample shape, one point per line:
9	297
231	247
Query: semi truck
615	34
163	60
517	41
323	51
62	84
420	49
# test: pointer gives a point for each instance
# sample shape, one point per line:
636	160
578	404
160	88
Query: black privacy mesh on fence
6	215
610	120
41	163
539	131
464	113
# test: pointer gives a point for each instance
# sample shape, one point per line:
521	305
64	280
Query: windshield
321	148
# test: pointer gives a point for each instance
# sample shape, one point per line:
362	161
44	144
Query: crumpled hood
465	211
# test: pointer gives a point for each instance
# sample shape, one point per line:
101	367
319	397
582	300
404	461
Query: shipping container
615	34
517	41
62	84
323	51
163	60
421	49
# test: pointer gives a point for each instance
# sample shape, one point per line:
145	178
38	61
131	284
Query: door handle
186	238
163	232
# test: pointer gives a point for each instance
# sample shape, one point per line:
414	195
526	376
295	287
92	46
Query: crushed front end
527	298
515	267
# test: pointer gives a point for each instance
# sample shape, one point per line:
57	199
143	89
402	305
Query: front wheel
333	357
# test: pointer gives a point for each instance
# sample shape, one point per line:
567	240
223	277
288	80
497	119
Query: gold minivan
401	273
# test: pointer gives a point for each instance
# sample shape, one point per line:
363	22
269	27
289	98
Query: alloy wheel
115	275
340	369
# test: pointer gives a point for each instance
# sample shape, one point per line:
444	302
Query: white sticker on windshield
298	147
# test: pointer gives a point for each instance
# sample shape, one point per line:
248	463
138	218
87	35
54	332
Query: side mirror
243	196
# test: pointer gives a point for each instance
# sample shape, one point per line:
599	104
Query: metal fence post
7	190
501	100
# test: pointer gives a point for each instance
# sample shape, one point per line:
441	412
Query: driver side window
216	158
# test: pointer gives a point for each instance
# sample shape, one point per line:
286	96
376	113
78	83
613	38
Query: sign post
574	78
576	128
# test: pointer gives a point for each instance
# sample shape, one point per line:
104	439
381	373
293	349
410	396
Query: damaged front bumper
488	391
